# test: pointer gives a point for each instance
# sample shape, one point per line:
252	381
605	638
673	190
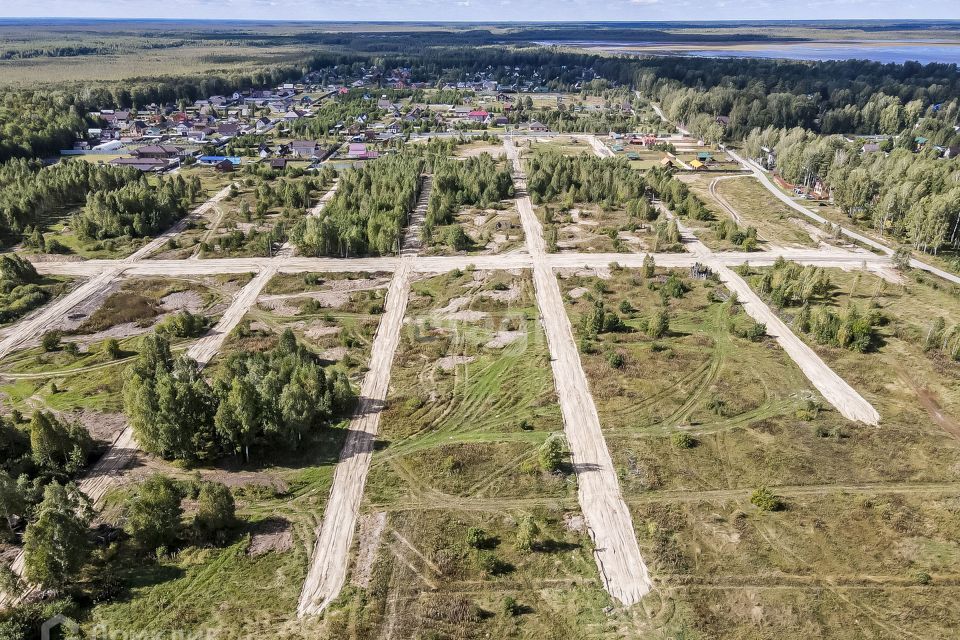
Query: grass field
471	403
868	513
775	222
224	588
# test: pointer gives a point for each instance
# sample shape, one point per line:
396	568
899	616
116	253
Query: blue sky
479	10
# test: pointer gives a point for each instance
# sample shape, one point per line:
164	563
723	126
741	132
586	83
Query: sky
488	10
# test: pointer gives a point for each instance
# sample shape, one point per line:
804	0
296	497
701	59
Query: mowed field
867	540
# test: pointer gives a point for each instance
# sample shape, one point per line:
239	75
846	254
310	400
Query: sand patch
509	294
448	363
320	331
454	310
503	338
574	522
579	292
188	300
371	530
334	354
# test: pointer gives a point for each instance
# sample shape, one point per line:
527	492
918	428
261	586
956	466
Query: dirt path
832	387
177	228
723	201
106	472
411	243
328	568
607	516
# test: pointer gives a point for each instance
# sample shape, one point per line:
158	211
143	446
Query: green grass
458	449
866	508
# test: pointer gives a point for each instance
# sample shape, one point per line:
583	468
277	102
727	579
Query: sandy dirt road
622	569
206	347
831	386
331	555
178	228
410	244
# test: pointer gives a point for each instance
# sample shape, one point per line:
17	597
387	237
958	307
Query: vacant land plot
754	206
701	416
280	499
588	227
458	485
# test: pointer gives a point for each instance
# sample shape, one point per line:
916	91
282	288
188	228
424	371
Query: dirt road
832	387
410	244
328	567
178	228
608	519
208	346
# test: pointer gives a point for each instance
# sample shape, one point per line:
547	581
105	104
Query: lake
900	51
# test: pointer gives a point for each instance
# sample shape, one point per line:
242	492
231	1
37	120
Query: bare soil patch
272	534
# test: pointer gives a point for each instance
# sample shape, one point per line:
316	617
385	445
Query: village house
161	151
303	148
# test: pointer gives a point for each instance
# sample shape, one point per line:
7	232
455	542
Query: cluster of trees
479	181
137	209
57	542
256	400
368	212
943	341
847	329
583	178
728	229
789	284
21	287
913	197
675	194
28	192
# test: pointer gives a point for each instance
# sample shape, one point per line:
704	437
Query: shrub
480	539
683	440
766	500
615	359
216	510
552	453
112	347
50	341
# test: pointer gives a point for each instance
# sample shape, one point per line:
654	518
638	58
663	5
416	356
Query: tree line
912	197
137	209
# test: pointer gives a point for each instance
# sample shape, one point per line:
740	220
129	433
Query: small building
697	165
704	156
157	151
215	160
537	127
224	166
278	164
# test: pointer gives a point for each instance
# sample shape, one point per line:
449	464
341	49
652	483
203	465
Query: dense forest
136	209
479	181
368	212
257	400
29	192
583	178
